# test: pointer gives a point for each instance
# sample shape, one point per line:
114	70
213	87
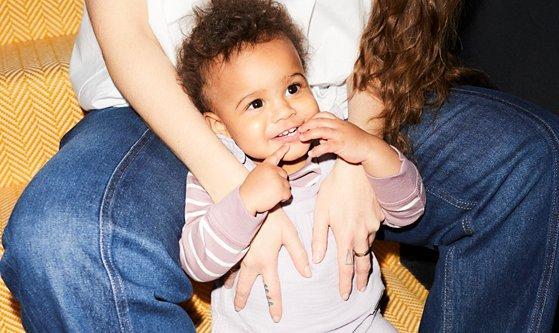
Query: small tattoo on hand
348	258
270	303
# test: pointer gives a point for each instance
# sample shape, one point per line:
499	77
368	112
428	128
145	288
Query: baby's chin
297	151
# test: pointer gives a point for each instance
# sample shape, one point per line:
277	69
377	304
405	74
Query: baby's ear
217	126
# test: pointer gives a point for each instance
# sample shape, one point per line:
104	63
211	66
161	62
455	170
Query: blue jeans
490	165
92	243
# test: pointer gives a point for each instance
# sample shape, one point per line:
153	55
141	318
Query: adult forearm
365	111
147	79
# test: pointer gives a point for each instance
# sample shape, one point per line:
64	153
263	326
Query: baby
243	66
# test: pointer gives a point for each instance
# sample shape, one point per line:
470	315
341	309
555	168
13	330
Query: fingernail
308	271
316	258
345	297
362	289
237	308
276	319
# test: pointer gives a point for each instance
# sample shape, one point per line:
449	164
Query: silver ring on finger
362	254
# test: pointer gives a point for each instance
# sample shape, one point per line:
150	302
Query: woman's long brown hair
406	60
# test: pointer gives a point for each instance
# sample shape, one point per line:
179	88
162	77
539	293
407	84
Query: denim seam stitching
553	234
465	205
467	226
105	248
447	311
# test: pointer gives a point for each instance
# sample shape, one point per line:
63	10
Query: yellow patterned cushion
37	105
27	20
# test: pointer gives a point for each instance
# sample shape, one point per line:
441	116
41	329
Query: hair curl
224	28
406	60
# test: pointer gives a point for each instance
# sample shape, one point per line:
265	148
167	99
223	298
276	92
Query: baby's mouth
289	132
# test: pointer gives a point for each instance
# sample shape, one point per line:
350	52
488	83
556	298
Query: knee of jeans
523	138
41	243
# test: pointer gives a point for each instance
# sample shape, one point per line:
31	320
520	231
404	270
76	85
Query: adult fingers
362	263
345	267
278	155
246	280
230	278
319	235
293	245
371	238
273	293
321	222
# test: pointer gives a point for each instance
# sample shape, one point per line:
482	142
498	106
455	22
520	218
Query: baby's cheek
252	141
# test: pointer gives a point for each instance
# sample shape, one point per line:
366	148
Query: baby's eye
293	89
257	103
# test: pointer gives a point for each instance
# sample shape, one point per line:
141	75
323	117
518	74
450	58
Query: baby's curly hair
224	28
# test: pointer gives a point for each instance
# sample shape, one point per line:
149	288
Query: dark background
516	42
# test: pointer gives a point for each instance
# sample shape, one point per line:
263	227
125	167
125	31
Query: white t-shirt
332	27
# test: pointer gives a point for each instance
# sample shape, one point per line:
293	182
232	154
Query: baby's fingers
273	294
317	122
323	148
321	119
278	155
325	133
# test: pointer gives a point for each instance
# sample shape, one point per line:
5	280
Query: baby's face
262	97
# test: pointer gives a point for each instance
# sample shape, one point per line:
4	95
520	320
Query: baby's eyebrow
242	99
297	74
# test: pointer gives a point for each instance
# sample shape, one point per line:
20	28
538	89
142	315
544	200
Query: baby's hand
266	185
342	138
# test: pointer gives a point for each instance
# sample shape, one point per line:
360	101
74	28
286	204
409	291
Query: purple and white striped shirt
217	235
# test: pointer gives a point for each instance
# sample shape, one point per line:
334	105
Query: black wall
516	42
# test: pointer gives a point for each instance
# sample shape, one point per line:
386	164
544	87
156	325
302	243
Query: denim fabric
92	244
490	166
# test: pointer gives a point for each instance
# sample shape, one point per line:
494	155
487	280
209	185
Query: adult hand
354	222
262	259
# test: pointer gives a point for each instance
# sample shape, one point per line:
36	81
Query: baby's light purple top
216	236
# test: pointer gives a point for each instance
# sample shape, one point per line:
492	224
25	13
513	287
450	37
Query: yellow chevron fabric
27	20
37	106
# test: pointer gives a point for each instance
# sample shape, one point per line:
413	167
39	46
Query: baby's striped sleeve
215	236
